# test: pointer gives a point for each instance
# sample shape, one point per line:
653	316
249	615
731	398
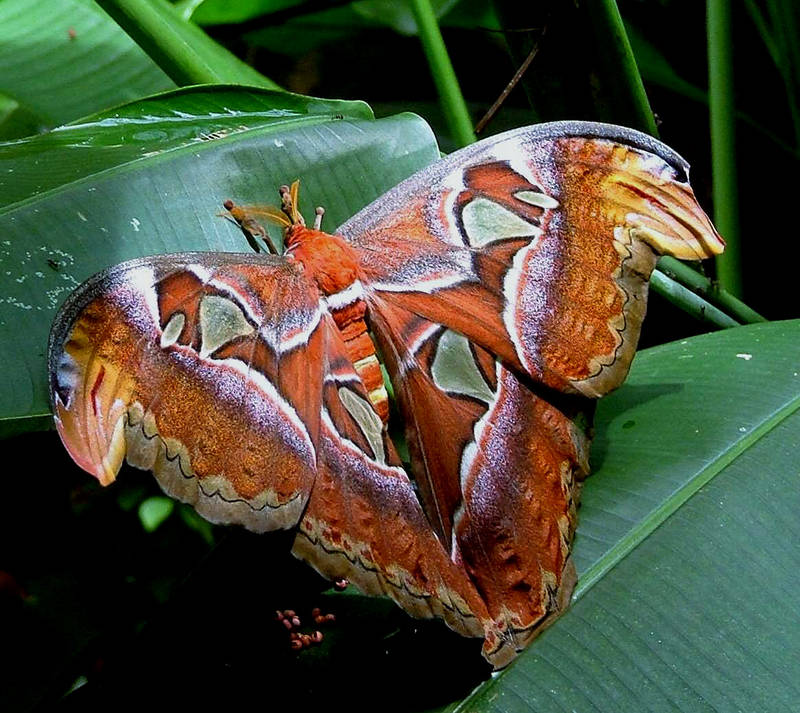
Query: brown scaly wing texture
226	376
204	368
364	522
507	286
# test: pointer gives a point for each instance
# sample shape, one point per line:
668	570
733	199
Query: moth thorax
328	259
333	265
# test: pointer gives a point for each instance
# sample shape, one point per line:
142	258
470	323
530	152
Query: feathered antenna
287	216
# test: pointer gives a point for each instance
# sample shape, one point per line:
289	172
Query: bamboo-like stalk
702	286
451	98
723	142
185	53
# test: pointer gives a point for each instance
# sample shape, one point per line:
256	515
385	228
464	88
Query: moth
504	288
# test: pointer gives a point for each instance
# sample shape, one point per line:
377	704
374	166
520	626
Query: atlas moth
504	287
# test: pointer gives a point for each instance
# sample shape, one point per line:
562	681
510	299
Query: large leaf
687	543
148	132
62	59
150	178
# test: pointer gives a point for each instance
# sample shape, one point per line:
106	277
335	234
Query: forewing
538	245
204	368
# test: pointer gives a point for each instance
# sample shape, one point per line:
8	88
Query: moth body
333	265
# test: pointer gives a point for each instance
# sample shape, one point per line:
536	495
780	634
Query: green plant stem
689	302
723	142
701	285
180	48
452	100
619	62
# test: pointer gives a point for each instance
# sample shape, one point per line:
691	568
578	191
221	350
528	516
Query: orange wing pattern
364	522
502	496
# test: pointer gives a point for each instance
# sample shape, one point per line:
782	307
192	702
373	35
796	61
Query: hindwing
498	469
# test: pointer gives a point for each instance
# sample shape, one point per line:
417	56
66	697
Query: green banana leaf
150	177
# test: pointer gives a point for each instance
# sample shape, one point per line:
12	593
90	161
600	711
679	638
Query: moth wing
506	287
227	378
205	369
363	521
537	245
